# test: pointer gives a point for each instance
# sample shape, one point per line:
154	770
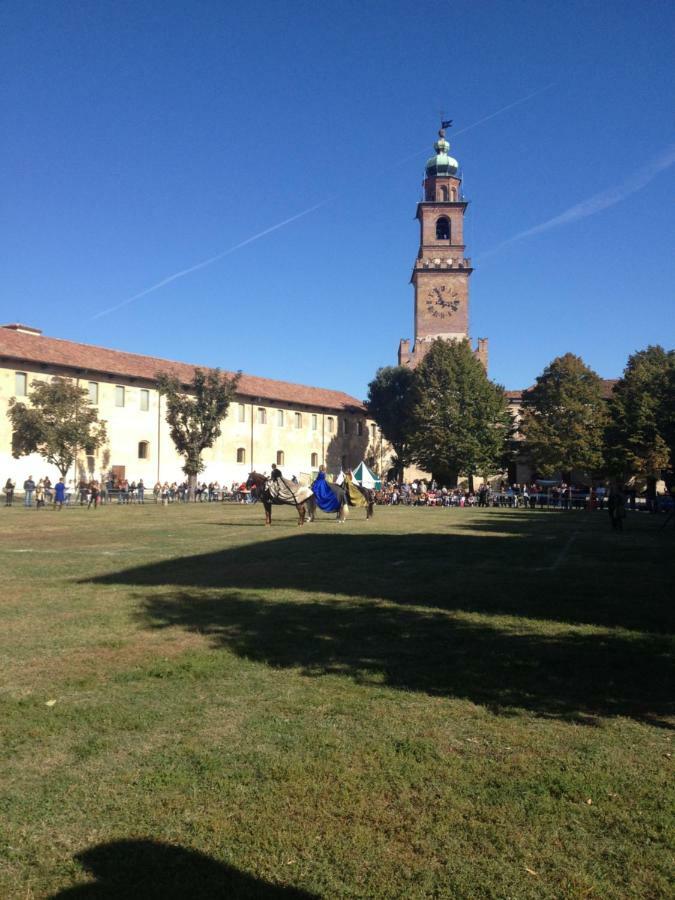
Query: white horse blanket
282	491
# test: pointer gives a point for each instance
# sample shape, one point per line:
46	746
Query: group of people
39	493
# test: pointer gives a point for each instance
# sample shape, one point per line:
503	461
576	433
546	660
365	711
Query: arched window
453	194
262	415
280	417
143	448
442	229
314	460
443	192
241	455
280	457
298	420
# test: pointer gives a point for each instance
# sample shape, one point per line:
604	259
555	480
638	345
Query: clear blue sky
142	138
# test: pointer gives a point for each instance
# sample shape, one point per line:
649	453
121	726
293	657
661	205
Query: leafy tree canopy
57	424
565	417
460	419
195	413
640	434
390	404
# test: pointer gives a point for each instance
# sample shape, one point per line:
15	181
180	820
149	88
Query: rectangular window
119	395
359	427
93	392
242	412
280	417
345	426
20	384
145	401
262	416
315	421
298	420
331	424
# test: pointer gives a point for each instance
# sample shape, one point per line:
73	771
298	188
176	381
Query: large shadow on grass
511	566
409	611
149	870
565	673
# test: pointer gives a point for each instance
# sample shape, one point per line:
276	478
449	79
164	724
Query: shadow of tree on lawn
507	568
417	612
565	674
125	870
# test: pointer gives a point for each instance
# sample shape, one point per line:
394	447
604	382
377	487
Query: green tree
461	421
57	424
390	404
565	417
639	436
195	412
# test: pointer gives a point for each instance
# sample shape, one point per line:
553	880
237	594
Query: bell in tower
441	272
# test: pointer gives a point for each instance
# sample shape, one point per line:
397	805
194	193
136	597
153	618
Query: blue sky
143	138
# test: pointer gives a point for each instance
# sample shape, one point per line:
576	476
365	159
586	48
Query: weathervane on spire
445	123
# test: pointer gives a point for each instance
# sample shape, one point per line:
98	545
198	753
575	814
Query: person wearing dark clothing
28	491
276	473
9	492
617	507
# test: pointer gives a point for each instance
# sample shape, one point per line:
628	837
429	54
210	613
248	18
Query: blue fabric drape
325	498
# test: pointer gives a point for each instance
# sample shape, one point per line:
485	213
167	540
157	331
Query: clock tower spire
440	276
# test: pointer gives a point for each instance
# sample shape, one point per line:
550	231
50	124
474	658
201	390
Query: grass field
438	703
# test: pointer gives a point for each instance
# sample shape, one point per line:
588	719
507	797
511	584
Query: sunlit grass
438	703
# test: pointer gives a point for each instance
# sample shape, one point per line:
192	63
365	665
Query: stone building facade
296	426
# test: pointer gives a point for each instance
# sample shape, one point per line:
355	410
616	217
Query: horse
287	496
349	494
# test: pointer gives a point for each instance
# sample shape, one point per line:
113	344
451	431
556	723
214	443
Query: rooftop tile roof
35	348
608	385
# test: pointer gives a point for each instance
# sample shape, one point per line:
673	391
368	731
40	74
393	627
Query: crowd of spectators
93	493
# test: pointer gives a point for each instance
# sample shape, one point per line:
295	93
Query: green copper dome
441	163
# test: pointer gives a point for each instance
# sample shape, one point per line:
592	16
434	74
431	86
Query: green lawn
437	703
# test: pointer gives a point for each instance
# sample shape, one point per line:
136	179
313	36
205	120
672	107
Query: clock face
442	301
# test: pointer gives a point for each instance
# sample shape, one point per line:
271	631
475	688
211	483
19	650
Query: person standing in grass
28	491
9	492
617	507
94	493
140	492
40	494
59	494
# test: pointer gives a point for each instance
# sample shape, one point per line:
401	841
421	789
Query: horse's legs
301	514
268	513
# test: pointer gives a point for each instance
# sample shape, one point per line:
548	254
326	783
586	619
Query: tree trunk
192	487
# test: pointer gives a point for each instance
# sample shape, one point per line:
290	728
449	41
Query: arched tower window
442	229
453	194
443	192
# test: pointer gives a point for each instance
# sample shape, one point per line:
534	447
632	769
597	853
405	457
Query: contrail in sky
212	259
205	262
597	202
492	115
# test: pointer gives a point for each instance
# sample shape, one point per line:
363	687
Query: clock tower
441	272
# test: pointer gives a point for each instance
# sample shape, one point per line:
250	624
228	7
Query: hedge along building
295	426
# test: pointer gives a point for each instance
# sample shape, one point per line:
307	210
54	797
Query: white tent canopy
366	478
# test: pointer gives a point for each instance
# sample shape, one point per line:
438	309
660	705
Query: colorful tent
366	478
